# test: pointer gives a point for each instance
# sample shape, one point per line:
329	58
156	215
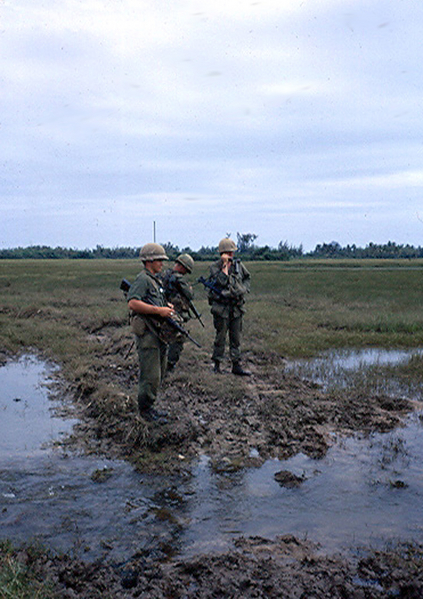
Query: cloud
272	113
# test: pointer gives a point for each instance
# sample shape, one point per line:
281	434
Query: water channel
366	491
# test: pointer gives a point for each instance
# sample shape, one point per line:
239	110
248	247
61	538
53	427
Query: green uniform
177	292
152	352
227	307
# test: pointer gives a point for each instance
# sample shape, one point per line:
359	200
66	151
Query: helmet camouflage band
186	261
152	251
227	245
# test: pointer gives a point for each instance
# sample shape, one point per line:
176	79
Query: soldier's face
180	268
156	266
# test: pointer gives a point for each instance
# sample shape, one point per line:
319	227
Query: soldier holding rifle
227	285
146	300
179	292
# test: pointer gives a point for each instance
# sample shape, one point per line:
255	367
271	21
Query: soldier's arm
185	289
141	307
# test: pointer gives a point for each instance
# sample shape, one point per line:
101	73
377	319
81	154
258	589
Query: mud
256	568
237	422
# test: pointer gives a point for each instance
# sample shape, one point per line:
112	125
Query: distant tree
245	241
286	251
248	251
172	251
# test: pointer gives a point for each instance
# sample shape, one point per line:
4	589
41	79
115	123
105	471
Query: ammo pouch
138	325
159	327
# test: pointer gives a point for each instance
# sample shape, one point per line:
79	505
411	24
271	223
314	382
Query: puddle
28	417
83	505
345	367
365	490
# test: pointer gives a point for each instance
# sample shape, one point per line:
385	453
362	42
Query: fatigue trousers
152	356
223	326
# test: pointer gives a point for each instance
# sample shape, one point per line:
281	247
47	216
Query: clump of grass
18	577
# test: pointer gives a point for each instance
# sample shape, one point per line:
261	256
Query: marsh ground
73	312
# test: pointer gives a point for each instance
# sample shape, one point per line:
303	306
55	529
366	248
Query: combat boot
238	369
152	415
216	367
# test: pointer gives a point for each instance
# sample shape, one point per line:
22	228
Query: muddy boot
152	415
237	369
216	367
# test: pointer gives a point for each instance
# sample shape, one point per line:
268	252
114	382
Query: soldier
146	299
231	282
179	292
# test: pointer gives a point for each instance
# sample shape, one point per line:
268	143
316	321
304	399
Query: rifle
125	285
189	302
210	285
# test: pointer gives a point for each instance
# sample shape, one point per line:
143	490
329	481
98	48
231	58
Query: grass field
302	309
296	308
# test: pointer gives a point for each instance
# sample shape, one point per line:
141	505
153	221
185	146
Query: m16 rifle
195	312
174	284
212	286
154	322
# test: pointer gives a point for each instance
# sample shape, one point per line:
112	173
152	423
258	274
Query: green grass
295	308
299	311
18	580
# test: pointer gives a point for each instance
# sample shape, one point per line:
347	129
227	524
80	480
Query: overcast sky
295	120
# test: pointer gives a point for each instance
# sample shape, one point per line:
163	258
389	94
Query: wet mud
237	422
256	568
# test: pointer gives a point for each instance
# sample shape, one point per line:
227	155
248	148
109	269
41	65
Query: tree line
247	250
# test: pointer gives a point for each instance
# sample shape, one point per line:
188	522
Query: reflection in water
366	490
27	420
341	368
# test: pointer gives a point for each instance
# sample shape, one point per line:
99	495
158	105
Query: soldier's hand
166	311
225	262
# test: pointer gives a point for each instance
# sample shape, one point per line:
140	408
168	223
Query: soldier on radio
229	282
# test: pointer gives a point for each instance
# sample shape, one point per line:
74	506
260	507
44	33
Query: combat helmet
152	251
227	245
186	261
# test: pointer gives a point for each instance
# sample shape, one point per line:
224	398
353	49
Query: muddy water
26	421
365	491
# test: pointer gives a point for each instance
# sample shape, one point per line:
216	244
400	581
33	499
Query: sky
183	121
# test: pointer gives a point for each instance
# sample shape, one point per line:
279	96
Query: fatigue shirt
233	286
147	288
